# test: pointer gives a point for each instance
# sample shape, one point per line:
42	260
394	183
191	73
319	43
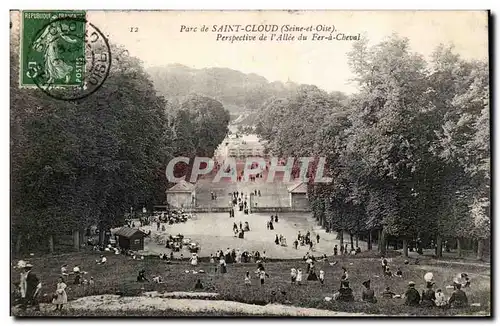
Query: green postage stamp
52	48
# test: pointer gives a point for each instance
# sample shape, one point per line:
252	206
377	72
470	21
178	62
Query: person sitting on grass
141	277
388	294
158	279
462	279
399	273
358	250
458	299
102	261
428	296
198	285
441	301
345	292
247	278
388	272
412	296
64	270
368	294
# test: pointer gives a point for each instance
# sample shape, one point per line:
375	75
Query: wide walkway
214	231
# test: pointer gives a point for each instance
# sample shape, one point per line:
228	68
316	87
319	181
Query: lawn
119	276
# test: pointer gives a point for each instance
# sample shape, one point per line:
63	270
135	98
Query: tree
85	162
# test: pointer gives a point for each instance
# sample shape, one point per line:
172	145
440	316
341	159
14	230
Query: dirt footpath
115	303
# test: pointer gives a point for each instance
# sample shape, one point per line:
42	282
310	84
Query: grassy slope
120	274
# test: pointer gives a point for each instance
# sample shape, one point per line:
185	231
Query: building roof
129	232
182	186
298	188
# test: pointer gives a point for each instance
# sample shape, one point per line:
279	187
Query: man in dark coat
458	299
345	292
412	295
368	294
33	286
428	296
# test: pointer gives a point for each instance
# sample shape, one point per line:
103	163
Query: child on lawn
293	275
262	275
299	276
247	278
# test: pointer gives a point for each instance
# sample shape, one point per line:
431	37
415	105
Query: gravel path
114	303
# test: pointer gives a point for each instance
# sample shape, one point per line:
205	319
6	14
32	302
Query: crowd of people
29	285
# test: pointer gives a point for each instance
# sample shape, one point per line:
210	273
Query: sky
155	38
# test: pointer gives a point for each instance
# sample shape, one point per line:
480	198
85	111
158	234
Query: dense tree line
237	91
82	163
409	153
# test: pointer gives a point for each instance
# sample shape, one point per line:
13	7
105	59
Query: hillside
237	91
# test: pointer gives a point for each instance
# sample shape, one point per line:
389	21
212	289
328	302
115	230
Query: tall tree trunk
480	249
51	243
352	240
382	243
439	247
341	234
82	236
405	248
18	243
459	247
76	240
370	240
357	240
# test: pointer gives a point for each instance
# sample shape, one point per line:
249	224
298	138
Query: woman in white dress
194	259
299	276
60	297
238	256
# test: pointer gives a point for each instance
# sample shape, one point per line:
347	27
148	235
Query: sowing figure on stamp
48	43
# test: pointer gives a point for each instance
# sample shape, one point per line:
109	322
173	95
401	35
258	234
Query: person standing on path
61	297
